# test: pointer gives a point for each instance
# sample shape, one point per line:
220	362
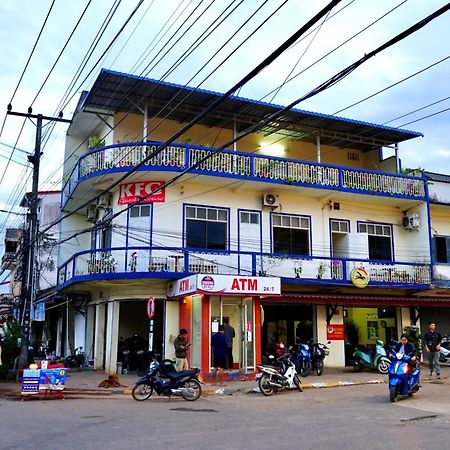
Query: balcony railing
145	262
243	165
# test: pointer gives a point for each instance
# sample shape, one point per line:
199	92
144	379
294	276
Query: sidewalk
84	383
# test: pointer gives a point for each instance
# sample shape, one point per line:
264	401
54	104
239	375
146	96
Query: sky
136	51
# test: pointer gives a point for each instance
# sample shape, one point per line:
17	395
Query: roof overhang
119	92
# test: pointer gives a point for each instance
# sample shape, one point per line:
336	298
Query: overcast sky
21	21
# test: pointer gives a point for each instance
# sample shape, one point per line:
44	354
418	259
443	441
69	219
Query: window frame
207	219
390	236
297	216
447	249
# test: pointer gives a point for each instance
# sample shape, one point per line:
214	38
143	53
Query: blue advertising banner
52	379
30	382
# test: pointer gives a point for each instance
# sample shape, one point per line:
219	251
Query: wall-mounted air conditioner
104	200
91	213
271	200
411	221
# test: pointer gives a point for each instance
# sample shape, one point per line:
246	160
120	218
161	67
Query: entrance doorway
363	326
288	324
240	314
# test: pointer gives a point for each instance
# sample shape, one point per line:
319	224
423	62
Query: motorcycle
444	355
375	360
275	378
167	381
318	353
302	360
76	359
403	380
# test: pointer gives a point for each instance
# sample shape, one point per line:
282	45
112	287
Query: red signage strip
132	192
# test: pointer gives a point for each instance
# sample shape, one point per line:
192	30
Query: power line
425	117
325	85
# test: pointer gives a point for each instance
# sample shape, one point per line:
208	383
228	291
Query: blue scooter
403	380
302	360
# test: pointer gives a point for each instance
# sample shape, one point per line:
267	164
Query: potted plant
96	142
133	262
321	270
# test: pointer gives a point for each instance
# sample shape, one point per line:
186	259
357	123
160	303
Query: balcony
175	158
169	263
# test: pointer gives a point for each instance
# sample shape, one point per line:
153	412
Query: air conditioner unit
411	221
91	213
270	200
103	200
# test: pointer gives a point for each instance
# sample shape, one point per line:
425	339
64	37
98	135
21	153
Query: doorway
240	314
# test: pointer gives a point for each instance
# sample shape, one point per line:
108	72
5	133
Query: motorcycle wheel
442	358
357	367
142	392
298	383
264	386
383	367
195	390
319	368
304	369
393	393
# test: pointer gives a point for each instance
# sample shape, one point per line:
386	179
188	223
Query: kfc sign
132	192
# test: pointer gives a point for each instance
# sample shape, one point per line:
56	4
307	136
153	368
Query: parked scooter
403	379
318	353
76	359
444	355
182	383
374	360
302	360
282	376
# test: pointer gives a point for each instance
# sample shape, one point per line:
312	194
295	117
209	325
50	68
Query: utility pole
30	241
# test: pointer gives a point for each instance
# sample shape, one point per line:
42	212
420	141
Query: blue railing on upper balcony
177	157
163	262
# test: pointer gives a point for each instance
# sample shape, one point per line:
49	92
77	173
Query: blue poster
30	382
38	312
52	379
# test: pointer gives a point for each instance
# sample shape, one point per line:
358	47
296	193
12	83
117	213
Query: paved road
341	418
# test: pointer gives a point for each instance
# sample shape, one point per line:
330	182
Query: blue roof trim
258	102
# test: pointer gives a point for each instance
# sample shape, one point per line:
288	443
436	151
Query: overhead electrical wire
325	85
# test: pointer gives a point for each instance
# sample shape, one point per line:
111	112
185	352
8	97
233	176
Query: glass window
380	243
340	226
290	234
207	229
140	211
254	218
134	211
442	249
245	217
190	211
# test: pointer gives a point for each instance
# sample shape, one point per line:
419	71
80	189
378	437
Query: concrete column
318	148
145	130
90	332
336	358
99	338
112	337
59	327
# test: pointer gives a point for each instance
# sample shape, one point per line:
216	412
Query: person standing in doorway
432	343
181	346
229	336
219	346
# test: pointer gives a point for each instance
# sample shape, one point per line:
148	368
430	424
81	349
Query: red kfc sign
133	192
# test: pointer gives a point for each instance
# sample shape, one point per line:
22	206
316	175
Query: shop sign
228	284
335	332
185	286
359	277
151	307
132	192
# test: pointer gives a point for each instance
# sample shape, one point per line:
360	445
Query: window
442	249
380	240
290	234
249	217
339	226
140	211
206	228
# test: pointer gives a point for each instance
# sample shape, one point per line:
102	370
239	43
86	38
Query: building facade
303	228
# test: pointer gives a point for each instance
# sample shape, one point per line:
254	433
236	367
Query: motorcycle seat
181	374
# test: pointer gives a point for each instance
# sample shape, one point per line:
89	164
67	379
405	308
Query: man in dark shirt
181	347
219	346
229	336
432	343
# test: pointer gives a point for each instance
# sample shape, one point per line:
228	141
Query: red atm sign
132	192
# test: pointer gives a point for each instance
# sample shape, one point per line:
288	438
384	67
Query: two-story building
302	229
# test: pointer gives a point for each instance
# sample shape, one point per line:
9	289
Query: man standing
432	342
181	346
219	346
229	335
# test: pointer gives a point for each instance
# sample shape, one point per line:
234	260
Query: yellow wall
129	128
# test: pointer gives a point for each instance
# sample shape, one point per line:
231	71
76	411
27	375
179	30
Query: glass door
247	334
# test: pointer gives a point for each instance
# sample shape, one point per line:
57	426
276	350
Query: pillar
336	357
90	333
112	336
99	338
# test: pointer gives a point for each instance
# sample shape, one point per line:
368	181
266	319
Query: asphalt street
352	417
